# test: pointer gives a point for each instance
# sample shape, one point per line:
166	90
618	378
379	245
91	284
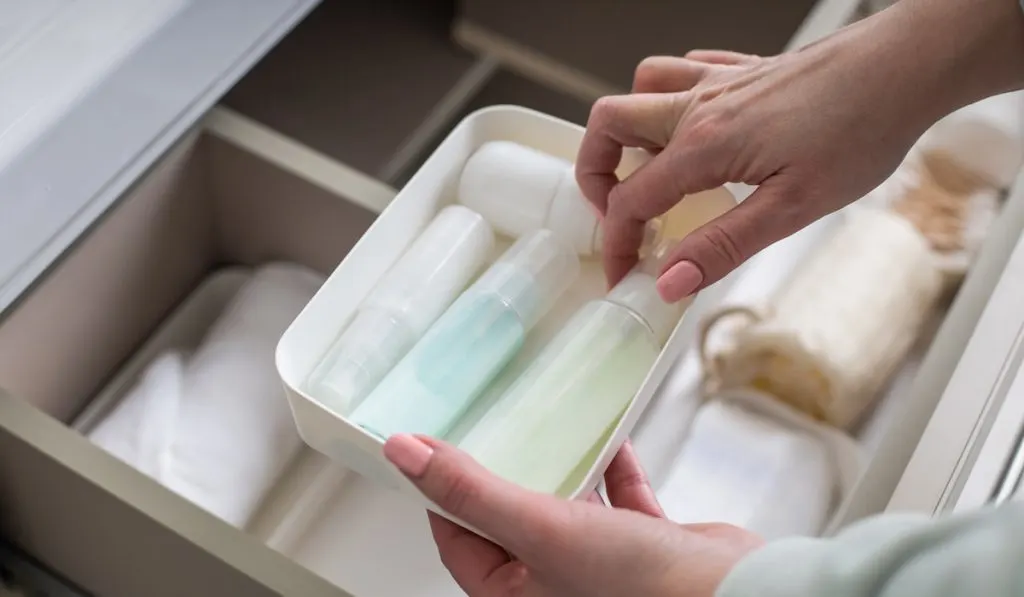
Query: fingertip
680	281
409	453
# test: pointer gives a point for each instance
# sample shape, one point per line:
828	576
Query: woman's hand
559	548
814	129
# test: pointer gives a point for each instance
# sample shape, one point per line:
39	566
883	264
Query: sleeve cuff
770	571
849	564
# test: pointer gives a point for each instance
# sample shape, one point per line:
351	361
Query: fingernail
680	281
409	454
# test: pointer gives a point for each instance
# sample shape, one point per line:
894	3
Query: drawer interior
208	205
639	28
217	203
74	345
361	81
505	87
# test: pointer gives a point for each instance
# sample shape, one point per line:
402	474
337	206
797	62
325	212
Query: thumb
711	252
518	519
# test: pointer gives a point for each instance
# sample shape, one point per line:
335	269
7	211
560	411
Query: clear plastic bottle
576	389
519	189
470	344
427	278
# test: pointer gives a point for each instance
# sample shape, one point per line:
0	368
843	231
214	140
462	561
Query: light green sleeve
981	555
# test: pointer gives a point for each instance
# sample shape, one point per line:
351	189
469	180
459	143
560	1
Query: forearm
964	50
926	58
893	556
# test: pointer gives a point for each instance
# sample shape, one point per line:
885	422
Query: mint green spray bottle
437	381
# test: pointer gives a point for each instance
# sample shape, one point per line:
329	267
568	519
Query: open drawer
210	202
235	194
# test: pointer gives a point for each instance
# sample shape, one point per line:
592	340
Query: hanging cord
712	378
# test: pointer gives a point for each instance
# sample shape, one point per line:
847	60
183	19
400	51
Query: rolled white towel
215	427
137	431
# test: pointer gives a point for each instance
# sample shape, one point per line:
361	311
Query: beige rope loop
712	376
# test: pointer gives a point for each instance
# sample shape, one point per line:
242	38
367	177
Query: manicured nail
680	281
409	454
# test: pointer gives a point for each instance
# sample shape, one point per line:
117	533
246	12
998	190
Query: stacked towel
215	426
750	470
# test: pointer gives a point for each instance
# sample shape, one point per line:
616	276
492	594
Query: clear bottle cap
638	292
435	268
531	275
664	233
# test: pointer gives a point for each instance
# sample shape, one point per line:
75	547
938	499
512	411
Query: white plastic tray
312	332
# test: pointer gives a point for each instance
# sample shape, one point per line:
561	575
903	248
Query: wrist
955	52
921	59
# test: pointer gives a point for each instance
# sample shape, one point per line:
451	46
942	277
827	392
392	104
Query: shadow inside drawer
506	87
356	78
207	204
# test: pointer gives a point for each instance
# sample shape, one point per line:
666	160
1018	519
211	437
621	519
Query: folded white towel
215	427
747	469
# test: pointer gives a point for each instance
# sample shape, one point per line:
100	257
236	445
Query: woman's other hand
558	548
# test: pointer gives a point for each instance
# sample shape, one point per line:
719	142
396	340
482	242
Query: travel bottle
519	189
469	345
576	388
425	280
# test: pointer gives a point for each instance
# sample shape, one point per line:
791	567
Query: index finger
616	122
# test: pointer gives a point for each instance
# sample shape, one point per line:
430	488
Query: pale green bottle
576	389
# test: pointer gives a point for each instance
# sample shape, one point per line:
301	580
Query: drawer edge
982	377
291	156
65	466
